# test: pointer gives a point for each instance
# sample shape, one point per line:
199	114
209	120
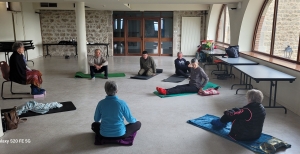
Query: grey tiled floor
164	128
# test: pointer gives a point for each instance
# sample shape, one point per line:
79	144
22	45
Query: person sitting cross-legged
181	66
98	65
247	122
112	111
195	84
147	65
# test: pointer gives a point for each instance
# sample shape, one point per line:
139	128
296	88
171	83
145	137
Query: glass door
151	42
134	37
119	39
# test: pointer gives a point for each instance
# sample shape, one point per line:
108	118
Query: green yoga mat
82	75
208	85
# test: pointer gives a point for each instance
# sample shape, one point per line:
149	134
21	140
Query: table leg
241	81
47	47
231	74
27	57
246	84
271	86
107	55
76	54
6	57
275	93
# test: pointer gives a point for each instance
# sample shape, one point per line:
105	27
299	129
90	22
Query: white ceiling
141	5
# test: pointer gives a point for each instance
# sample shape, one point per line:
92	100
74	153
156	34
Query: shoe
105	77
42	91
93	78
36	91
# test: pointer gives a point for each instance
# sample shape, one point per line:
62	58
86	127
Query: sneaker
105	77
93	78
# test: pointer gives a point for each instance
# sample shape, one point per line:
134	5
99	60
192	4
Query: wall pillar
81	37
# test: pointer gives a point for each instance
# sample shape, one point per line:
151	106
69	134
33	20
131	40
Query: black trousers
183	72
130	129
186	88
93	71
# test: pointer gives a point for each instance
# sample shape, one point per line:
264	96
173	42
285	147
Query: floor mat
67	106
265	144
208	85
174	78
142	77
110	75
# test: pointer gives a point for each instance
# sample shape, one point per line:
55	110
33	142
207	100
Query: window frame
271	52
224	6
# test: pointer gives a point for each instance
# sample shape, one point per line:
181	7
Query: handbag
232	51
12	119
3	124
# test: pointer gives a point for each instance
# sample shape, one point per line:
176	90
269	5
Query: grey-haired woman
247	122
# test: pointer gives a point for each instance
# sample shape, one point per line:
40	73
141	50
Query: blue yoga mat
265	144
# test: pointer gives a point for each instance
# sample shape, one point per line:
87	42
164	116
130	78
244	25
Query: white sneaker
93	78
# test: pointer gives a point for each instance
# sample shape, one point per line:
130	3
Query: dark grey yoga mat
67	106
142	77
174	78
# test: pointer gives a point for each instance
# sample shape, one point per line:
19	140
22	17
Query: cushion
210	91
218	61
99	140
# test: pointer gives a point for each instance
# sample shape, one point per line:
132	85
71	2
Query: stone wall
177	17
287	28
61	25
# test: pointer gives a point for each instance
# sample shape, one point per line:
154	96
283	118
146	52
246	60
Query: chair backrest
4	70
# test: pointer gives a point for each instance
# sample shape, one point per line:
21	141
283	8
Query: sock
157	88
162	91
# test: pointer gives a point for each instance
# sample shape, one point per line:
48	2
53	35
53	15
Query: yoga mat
143	77
208	85
82	75
67	106
174	78
256	146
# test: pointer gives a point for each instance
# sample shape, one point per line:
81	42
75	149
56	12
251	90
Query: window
118	27
278	30
119	24
223	31
155	25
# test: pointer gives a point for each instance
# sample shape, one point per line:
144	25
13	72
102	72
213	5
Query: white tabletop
216	52
236	61
264	73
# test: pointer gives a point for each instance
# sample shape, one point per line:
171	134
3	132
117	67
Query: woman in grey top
195	85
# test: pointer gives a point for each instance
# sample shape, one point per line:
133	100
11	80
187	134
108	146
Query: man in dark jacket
247	122
181	66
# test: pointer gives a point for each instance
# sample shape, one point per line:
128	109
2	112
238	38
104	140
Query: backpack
232	51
